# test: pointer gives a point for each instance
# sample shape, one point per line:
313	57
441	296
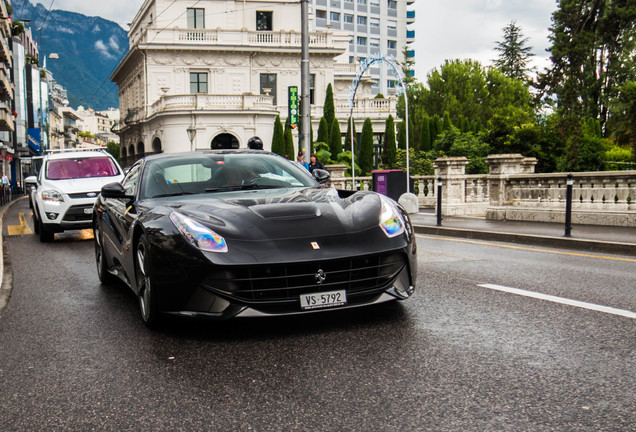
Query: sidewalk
607	239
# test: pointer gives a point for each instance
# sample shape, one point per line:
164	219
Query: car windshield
73	168
209	173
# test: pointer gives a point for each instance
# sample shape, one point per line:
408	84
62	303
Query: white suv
67	186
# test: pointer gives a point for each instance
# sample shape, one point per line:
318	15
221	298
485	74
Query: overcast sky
444	29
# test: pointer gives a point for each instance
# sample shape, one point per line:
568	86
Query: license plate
323	299
88	211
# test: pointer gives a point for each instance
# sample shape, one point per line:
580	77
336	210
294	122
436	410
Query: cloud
120	11
96	29
112	43
102	48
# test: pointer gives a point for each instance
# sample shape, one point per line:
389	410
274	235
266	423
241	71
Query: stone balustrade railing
512	191
206	101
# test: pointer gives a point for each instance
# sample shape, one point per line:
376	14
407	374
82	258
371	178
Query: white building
98	123
374	26
224	67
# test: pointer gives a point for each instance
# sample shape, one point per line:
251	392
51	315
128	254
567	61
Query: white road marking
562	300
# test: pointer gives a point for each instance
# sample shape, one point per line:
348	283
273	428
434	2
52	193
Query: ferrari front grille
286	282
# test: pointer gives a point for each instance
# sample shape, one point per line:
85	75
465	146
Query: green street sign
292	92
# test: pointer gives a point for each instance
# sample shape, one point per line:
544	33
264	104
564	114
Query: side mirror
31	180
115	190
322	176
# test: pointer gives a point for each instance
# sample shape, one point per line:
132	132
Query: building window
347	18
198	82
264	21
362	2
392	4
268	85
374	3
374	43
362	41
390	84
374	22
391	25
321	14
196	18
312	88
334	16
362	20
391	44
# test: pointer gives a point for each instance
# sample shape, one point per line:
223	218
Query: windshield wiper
172	194
242	187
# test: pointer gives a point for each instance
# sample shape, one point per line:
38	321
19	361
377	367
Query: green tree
446	122
278	139
425	135
592	56
329	110
623	120
407	65
335	139
433	127
514	54
113	148
366	147
289	141
323	131
389	142
453	142
401	135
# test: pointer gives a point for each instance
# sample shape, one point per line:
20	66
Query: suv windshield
63	169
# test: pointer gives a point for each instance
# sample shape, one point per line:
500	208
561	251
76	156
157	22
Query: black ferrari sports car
234	233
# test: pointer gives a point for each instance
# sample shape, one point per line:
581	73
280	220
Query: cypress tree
432	127
347	144
446	123
389	142
289	141
425	135
323	131
329	110
278	142
335	139
366	147
401	136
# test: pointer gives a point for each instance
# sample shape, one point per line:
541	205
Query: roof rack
51	151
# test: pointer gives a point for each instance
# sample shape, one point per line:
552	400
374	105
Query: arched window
156	145
224	141
140	148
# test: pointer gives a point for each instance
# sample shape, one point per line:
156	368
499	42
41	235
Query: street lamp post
192	132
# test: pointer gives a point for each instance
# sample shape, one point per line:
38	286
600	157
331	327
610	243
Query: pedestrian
314	163
301	160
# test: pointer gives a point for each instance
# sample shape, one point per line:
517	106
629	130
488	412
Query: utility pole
305	108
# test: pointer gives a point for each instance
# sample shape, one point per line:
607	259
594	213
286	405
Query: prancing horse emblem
320	276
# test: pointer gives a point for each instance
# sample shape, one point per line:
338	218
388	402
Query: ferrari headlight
52	197
391	220
197	234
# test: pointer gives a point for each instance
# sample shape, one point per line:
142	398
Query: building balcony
253	40
410	35
375	109
7	121
244	102
5	82
410	2
410	17
410	53
5	54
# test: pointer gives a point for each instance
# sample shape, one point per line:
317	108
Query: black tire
105	277
145	281
36	223
46	236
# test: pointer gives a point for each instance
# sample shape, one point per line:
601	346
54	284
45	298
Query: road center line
584	255
562	300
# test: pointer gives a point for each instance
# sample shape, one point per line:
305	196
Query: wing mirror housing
322	176
116	191
31	180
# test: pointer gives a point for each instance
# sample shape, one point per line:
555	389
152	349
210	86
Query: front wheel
147	298
105	277
46	236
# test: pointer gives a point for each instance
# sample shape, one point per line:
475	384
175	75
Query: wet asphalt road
75	355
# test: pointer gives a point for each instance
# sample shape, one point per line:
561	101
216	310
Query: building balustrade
212	102
220	37
372	108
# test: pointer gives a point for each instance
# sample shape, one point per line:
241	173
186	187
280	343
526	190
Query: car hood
79	185
282	213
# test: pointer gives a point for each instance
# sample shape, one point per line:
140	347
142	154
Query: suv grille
83	195
286	282
76	213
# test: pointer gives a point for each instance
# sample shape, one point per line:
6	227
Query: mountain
89	49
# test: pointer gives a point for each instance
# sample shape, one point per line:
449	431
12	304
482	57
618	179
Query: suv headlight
52	197
391	220
197	234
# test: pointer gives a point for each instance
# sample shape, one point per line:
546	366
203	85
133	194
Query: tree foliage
328	109
289	141
278	140
514	54
366	147
335	139
389	143
347	142
323	131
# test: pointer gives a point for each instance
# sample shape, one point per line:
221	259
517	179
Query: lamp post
192	132
568	205
439	201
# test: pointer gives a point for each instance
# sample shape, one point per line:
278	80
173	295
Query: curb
6	272
535	240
